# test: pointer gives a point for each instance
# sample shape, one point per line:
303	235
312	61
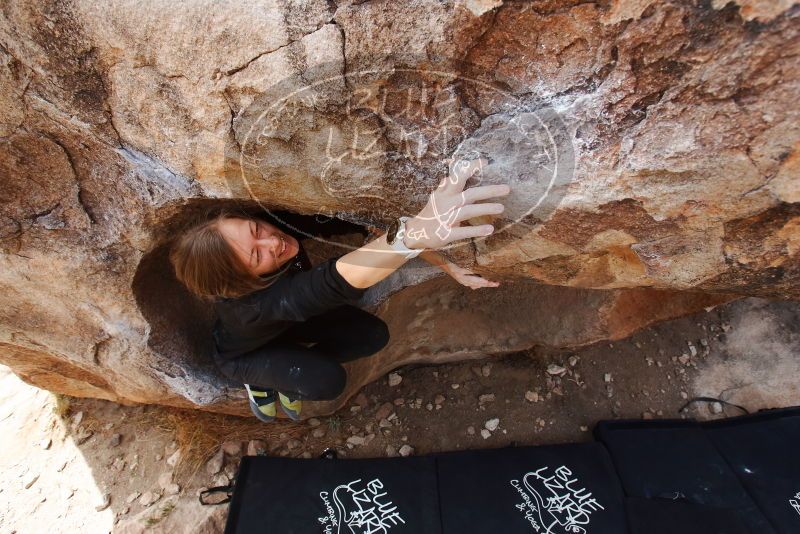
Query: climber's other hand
465	277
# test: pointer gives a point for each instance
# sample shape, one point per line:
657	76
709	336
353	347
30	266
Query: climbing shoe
291	407
262	402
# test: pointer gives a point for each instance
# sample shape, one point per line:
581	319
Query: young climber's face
260	246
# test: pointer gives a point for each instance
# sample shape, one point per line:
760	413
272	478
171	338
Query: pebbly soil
85	465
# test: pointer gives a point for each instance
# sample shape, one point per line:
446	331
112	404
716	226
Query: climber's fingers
483	192
460	171
477	210
455	233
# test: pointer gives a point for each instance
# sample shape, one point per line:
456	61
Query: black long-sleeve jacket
248	322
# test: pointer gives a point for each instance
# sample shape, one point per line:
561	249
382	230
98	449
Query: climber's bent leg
346	333
290	368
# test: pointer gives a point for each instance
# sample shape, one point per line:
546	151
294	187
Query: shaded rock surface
119	121
437	321
759	362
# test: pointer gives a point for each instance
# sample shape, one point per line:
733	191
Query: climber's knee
326	386
376	336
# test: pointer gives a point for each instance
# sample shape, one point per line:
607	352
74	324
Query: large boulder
652	147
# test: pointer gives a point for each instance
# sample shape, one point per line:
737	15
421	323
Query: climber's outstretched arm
434	227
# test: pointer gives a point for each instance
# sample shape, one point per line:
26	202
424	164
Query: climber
284	328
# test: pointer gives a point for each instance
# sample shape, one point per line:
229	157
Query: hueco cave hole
180	323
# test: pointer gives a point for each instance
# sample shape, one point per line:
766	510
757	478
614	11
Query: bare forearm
436	259
370	264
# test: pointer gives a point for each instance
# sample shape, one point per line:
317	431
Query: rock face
760	378
653	149
438	321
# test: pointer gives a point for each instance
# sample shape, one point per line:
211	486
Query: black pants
314	373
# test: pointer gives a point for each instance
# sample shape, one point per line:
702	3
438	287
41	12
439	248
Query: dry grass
61	405
197	434
200	434
160	514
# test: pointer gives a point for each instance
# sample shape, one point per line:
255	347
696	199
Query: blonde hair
207	265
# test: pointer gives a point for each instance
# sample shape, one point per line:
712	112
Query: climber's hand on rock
450	204
465	277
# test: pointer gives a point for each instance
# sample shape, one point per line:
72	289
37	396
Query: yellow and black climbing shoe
291	407
262	402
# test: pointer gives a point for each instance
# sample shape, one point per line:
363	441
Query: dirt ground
91	466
